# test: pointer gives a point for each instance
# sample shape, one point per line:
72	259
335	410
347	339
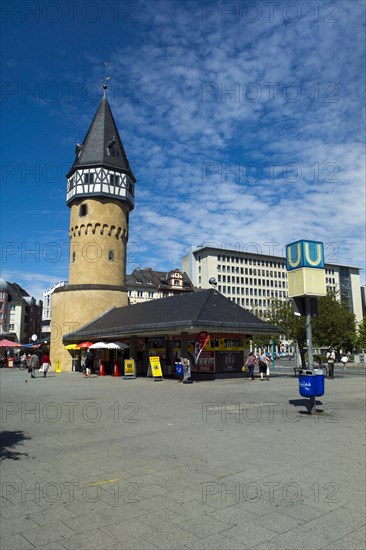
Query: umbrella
117	345
84	345
9	344
98	345
71	347
31	346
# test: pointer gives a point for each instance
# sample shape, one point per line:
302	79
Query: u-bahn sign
305	269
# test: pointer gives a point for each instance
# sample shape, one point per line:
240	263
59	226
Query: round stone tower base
72	308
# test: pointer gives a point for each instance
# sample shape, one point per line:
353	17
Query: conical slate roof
192	312
102	145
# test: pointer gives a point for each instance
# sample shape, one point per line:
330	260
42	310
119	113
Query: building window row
250	281
250	261
250	271
251	292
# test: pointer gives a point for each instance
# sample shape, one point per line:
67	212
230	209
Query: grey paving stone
168	536
234	514
204	526
299	510
336	524
348	542
93	540
358	504
78	507
269	545
185	495
128	528
277	522
215	542
53	546
44	535
47	515
160	503
20	510
249	534
301	540
12	526
87	522
123	512
15	542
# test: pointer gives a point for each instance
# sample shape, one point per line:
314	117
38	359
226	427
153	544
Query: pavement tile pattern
105	463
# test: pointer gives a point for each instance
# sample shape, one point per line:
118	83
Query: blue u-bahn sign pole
306	283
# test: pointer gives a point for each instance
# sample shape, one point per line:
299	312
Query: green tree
334	325
361	336
281	315
261	340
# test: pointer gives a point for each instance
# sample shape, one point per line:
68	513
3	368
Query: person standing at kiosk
330	360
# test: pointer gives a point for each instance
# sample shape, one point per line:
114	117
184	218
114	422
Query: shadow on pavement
9	440
305	403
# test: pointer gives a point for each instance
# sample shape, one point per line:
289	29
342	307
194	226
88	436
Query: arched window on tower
111	256
73	257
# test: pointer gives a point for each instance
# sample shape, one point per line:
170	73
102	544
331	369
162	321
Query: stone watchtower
100	194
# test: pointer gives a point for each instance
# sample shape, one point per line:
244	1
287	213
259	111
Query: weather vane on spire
105	79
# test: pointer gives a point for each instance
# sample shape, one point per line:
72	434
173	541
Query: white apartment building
47	309
254	280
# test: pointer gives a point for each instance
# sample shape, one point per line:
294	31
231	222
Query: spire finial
105	79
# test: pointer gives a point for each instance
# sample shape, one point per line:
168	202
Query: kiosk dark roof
202	310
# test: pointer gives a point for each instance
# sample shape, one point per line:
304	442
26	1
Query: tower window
71	183
89	178
83	210
73	257
113	179
112	149
111	256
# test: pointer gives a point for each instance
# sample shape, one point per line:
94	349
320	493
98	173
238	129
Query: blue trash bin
307	383
319	382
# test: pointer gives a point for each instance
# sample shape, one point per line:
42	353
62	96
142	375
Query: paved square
227	464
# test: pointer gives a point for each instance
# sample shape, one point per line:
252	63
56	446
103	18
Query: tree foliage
281	315
361	337
334	325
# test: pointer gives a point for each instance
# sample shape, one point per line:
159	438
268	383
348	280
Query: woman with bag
263	363
250	363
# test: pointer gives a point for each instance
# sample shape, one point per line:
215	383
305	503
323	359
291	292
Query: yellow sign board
306	282
156	367
130	368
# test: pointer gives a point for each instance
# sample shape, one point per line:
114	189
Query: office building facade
253	280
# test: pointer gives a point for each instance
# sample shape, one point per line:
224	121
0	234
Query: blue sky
243	122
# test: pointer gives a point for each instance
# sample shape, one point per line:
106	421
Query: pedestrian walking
45	364
330	360
251	363
89	363
263	365
33	364
344	360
